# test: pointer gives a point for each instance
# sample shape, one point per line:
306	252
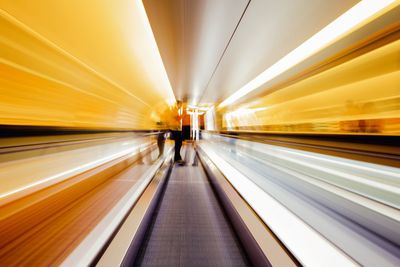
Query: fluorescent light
347	22
153	44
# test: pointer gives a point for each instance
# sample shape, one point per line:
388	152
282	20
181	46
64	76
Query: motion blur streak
355	17
17	181
364	100
292	109
73	78
289	229
353	204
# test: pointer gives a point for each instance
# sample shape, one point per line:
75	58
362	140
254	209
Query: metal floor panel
189	227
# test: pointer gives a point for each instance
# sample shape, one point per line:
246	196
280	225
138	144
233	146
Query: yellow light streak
62	66
349	21
365	100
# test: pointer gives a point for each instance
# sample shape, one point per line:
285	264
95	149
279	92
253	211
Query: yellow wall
361	95
73	63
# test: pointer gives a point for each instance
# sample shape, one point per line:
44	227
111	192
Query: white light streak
171	97
337	29
292	231
70	172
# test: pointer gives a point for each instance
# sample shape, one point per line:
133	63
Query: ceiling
192	36
212	48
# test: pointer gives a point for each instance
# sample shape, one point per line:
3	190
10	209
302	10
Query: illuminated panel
75	64
359	96
354	18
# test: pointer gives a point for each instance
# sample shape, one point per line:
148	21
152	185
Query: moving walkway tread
189	227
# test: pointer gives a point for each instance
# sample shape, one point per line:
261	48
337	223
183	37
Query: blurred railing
29	164
353	205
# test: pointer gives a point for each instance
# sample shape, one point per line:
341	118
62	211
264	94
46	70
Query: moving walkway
189	227
77	220
234	203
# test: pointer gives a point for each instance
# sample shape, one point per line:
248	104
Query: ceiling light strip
343	25
171	97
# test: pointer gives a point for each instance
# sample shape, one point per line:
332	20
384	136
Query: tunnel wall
359	94
62	66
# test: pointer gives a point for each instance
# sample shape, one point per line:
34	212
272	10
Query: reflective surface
354	205
53	204
26	171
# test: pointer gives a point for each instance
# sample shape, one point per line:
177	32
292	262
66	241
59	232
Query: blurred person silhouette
162	134
174	121
161	143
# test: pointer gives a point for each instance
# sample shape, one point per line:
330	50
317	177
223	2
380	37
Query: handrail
33	143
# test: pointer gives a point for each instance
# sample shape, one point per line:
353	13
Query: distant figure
175	126
161	143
